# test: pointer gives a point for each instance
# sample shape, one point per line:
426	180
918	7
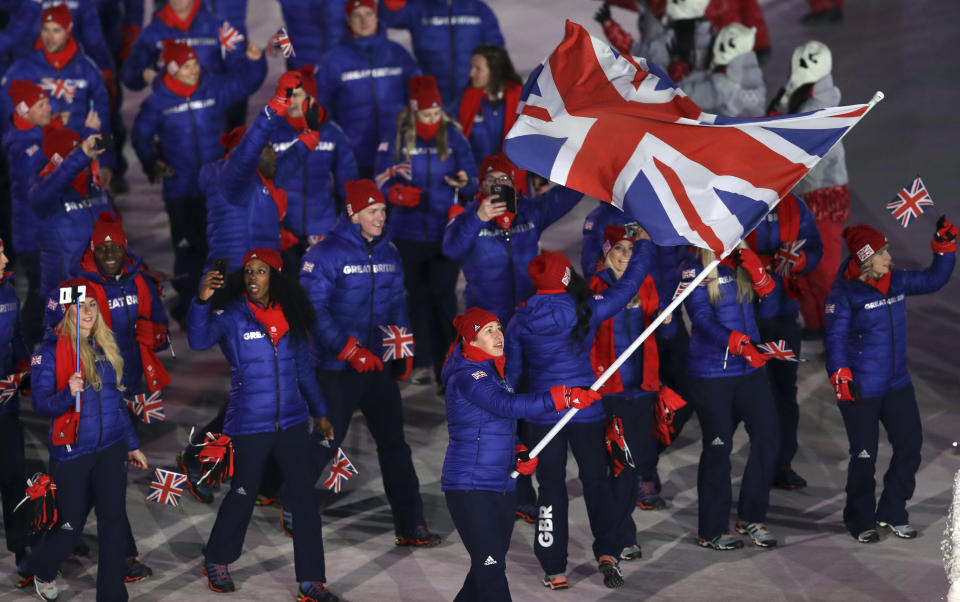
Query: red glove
359	358
525	464
128	34
150	334
407	368
763	284
402	195
739	344
841	381
565	397
454	211
945	238
678	70
310	139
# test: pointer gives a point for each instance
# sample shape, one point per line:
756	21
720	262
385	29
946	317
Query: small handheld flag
341	470
281	41
229	37
166	487
790	257
397	342
910	202
400	169
778	350
149	407
9	386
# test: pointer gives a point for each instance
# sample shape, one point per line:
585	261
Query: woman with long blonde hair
726	385
89	445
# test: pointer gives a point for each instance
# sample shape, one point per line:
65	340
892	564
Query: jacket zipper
425	199
276	370
373	86
373	281
193	130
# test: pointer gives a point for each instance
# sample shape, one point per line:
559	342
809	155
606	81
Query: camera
104	142
632	230
507	195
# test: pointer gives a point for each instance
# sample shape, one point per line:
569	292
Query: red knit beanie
612	235
175	55
353	5
472	320
58	143
361	194
232	138
24	94
268	256
550	271
863	241
107	229
498	162
59	14
424	93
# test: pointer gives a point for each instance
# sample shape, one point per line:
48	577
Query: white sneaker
46	589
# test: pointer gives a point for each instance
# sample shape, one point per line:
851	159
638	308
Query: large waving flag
618	128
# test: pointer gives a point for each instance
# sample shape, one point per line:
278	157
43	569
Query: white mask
810	63
686	9
733	40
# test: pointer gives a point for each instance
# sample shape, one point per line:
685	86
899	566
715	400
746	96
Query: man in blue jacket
363	83
444	34
354	279
186	113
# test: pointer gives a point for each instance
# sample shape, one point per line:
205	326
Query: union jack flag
910	202
281	41
790	257
135	406
618	128
777	350
340	471
9	386
229	37
150	407
166	487
400	169
682	286
397	342
59	88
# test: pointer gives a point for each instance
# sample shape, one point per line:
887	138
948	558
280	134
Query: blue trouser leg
712	399
754	405
624	485
484	520
783	382
12	482
586	443
862	421
96	478
901	417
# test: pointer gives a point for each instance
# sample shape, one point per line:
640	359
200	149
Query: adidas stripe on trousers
484	520
721	404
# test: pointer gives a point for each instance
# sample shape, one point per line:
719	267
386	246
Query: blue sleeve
410	68
552	205
921	282
142	56
289	161
461	233
327	82
307	379
47	401
18	349
241	165
320	281
465	161
91	36
491	28
611	301
704	318
21	21
233	60
513	351
836	330
486	393
101	104
345	164
145	127
129	435
813	248
46	191
591	250
242	80
204	329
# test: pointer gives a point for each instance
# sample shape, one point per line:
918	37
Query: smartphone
507	195
221	265
632	230
104	142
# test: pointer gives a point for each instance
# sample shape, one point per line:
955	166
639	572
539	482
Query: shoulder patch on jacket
307	266
478	374
36	360
829	308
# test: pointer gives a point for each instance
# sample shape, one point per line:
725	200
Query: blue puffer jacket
486	135
241	213
124	304
268	384
866	330
426	221
232	11
482	412
64	218
202	35
103	414
539	336
495	261
22	16
363	83
711	325
444	34
314	27
114	14
76	88
317	176
12	349
23	149
355	286
189	129
777	303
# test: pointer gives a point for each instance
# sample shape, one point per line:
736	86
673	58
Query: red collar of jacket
178	87
475	354
171	19
272	319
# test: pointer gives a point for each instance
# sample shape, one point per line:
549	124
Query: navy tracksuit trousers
97	479
898	413
484	520
721	404
783	381
585	439
377	396
12	482
295	452
637	417
673	366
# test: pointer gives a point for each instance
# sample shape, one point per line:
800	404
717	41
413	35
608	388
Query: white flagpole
622	358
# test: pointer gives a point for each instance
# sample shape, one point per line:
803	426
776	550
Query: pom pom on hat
268	256
107	229
361	194
550	271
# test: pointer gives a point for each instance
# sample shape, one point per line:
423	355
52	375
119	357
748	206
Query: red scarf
470	106
22	124
297	123
788	217
279	196
178	87
58	59
171	19
604	353
272	319
852	272
66	426
475	354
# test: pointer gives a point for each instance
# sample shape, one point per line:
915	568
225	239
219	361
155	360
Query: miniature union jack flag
400	169
9	386
682	286
59	88
150	407
340	471
777	350
397	342
229	37
281	41
790	258
166	487
135	406
910	202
